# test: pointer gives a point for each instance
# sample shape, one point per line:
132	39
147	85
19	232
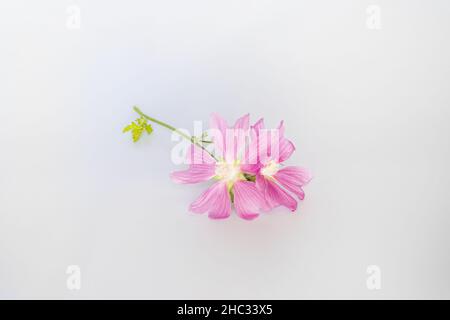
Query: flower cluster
246	163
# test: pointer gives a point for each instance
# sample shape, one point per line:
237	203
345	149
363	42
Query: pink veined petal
250	163
235	139
240	134
286	148
281	129
273	146
218	129
196	155
247	200
268	145
215	200
302	175
280	147
250	168
258	125
296	189
195	174
251	154
217	122
275	196
243	122
293	178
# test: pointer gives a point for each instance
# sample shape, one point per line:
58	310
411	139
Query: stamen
230	172
270	168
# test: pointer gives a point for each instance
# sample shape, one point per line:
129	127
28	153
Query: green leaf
127	128
137	127
148	128
136	133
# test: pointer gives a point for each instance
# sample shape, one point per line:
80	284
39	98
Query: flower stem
171	128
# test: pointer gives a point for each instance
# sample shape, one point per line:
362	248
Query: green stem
171	128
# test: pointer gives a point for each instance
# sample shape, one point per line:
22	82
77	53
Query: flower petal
274	195
250	168
215	200
258	125
218	123
286	148
218	128
243	122
293	178
271	143
250	155
301	175
268	145
247	200
281	129
195	174
235	139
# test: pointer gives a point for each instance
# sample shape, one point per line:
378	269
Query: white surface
367	109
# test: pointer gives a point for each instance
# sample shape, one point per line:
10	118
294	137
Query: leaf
127	128
136	133
148	128
137	127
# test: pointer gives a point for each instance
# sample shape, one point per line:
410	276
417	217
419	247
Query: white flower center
270	168
230	172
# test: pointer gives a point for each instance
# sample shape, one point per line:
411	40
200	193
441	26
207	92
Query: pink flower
231	185
272	179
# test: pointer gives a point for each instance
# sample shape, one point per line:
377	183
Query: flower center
270	168
230	172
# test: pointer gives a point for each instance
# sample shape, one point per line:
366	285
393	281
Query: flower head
231	185
273	180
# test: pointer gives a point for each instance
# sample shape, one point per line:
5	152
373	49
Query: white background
367	109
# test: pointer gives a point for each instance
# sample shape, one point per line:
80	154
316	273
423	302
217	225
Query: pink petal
286	148
255	130
241	132
250	168
218	123
218	129
271	144
268	145
247	200
195	174
274	195
258	125
250	157
235	139
293	178
281	129
243	122
300	174
215	200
